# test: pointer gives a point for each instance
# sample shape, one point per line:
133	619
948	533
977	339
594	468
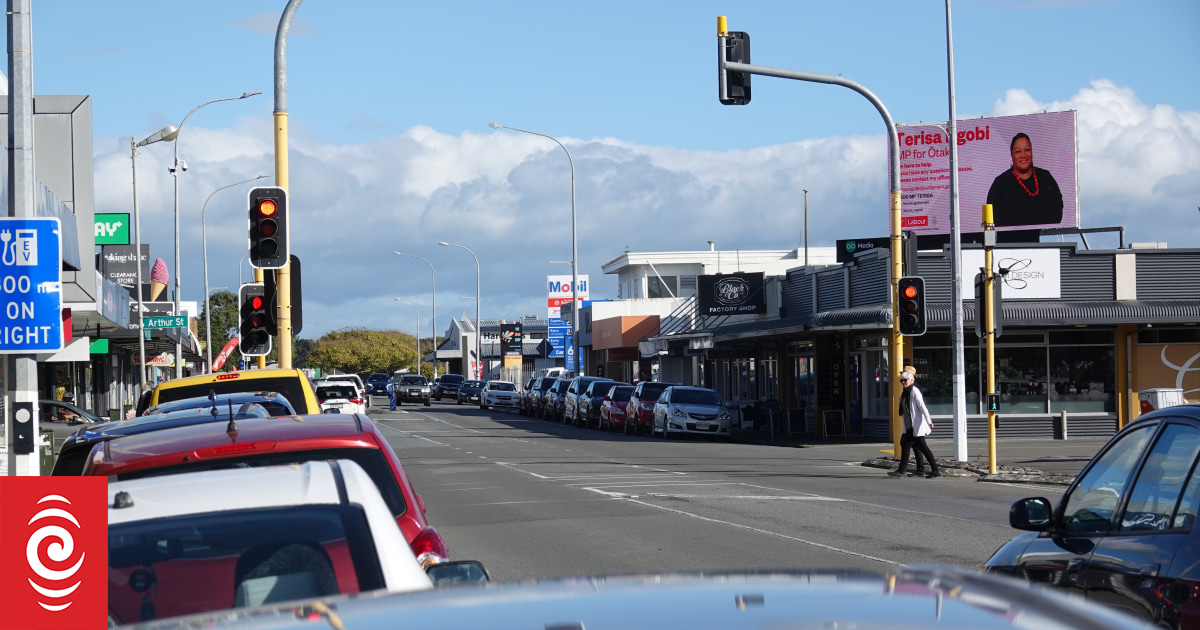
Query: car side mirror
457	573
1031	515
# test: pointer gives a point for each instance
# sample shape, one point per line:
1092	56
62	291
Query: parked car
469	391
276	404
246	537
554	398
499	394
537	397
574	409
293	384
527	396
352	378
641	419
379	385
448	386
275	441
613	407
1124	534
413	388
339	397
697	410
916	598
590	400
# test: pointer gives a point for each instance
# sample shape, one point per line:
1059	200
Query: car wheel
399	402
458	401
427	403
483	406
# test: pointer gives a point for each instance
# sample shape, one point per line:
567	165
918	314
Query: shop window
768	378
1081	337
662	286
935	377
802	385
875	384
1021	379
1178	335
1082	379
687	286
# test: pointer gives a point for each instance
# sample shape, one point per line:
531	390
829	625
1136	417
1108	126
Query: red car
641	405
613	407
275	441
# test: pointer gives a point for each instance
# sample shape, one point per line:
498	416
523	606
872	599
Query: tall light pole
204	246
478	323
433	325
418	329
575	306
166	134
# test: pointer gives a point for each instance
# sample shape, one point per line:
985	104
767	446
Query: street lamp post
433	325
204	247
166	134
176	167
418	329
478	323
574	249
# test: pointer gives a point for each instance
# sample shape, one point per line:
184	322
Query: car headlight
647	406
678	412
724	416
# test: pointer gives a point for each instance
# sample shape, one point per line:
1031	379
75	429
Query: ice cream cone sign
158	278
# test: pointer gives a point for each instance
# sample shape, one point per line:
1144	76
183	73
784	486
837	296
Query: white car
353	378
339	397
499	394
219	539
697	410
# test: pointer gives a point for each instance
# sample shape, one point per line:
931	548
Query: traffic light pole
283	276
989	324
896	341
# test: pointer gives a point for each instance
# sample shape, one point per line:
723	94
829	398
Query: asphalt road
534	499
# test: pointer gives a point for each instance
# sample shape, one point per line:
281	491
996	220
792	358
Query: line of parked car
647	408
251	488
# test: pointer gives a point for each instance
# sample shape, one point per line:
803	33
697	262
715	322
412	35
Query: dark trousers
916	445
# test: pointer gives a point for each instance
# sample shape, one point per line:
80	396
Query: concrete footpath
1054	462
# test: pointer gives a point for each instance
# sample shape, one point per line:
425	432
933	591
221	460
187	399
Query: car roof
308	483
266	433
221	399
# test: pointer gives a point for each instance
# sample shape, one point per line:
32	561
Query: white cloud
507	196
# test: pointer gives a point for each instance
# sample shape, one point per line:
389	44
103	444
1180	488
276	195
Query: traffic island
954	468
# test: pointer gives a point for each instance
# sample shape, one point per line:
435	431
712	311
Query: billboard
1025	166
510	340
119	263
559	292
732	294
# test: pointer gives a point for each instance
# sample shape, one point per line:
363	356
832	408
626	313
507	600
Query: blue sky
389	104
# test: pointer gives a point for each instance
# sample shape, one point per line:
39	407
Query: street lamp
180	165
166	134
204	246
433	325
418	329
478	323
574	248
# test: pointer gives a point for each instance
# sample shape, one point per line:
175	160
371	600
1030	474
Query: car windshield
622	394
414	380
502	387
695	397
651	391
326	392
472	384
378	378
183	565
452	379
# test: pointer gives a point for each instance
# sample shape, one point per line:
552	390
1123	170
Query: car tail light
429	548
228	376
243	447
357	401
320	401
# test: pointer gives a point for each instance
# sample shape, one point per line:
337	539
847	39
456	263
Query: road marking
419	437
764	497
656	484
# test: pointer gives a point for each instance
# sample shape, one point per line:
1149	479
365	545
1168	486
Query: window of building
935	377
662	287
1082	379
687	286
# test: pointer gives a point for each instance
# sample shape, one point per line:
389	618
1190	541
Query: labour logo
54	550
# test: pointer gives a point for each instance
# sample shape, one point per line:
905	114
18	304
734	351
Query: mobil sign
559	291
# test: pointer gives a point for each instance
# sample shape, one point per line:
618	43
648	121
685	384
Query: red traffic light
256	302
266	207
909	292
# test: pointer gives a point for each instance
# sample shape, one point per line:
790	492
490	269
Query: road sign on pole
30	285
168	321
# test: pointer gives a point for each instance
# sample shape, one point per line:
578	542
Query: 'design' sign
30	285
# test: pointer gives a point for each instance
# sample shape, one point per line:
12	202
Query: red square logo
54	553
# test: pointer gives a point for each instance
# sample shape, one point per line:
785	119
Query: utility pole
283	276
989	323
806	229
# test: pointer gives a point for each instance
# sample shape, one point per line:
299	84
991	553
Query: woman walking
917	425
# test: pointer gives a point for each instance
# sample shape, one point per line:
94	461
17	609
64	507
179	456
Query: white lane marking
514	467
766	532
617	476
655	485
741	496
522	502
1033	486
419	437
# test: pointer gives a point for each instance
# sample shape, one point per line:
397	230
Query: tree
358	351
224	318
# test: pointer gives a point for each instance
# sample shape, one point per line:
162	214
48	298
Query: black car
379	384
1124	533
447	386
526	396
537	397
468	392
554	398
590	400
573	410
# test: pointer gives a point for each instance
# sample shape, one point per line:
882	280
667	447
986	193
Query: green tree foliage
224	318
360	351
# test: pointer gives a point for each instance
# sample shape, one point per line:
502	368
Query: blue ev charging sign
30	285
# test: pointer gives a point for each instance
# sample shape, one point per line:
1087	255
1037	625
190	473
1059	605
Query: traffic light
737	84
911	305
254	340
981	307
268	227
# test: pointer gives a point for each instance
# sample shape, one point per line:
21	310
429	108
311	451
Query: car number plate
702	426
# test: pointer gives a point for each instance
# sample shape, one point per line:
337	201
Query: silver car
681	409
